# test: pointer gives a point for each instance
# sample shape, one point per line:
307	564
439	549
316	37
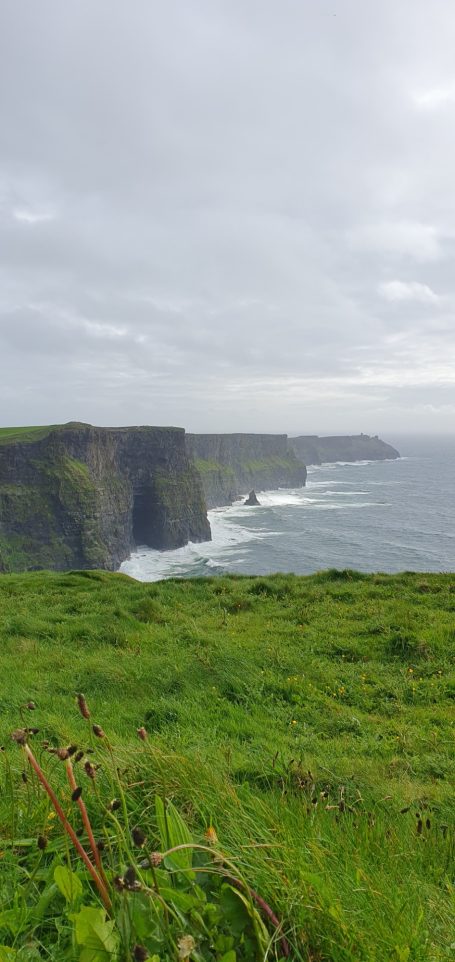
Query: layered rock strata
77	496
232	464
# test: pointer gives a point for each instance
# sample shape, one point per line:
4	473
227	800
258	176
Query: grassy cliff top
309	719
29	434
24	434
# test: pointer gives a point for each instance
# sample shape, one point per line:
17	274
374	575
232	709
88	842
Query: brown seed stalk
68	827
76	796
82	705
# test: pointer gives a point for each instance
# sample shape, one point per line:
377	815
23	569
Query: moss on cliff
213	467
268	464
229	465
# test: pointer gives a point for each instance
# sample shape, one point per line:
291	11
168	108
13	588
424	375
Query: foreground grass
309	719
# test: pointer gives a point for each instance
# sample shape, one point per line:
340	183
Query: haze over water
372	515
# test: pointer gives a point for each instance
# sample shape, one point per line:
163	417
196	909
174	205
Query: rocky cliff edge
77	496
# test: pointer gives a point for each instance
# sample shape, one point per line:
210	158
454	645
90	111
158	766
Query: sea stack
251	499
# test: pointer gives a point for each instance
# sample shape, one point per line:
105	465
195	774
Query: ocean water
372	515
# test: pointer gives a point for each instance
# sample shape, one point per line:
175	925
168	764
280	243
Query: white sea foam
149	564
342	494
235	529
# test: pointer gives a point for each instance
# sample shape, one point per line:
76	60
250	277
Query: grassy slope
10	435
273	690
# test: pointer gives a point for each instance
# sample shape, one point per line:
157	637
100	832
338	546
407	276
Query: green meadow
303	726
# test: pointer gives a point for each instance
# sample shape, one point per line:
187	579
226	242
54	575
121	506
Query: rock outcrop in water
230	464
357	447
252	500
81	496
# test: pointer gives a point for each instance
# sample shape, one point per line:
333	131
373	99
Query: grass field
308	720
10	435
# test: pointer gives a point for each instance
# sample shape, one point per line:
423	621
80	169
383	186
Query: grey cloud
227	215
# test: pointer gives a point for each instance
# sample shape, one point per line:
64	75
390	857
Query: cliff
77	496
232	464
356	447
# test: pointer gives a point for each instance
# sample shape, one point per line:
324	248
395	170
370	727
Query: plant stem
86	820
68	828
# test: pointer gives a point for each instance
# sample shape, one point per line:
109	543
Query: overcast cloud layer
228	214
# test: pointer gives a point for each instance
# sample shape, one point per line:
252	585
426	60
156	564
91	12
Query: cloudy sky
228	214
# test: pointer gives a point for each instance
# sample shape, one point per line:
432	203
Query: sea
389	516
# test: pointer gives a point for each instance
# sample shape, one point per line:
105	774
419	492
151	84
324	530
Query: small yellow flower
210	835
293	722
50	816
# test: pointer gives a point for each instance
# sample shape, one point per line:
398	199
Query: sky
230	215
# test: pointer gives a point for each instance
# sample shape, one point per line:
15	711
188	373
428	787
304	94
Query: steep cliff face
357	447
231	464
80	496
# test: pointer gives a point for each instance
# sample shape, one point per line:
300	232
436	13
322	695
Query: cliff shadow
144	517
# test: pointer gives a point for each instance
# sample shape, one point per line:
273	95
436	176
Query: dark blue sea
372	515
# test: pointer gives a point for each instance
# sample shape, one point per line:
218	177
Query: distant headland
312	449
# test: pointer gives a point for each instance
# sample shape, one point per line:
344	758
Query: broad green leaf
68	883
96	935
173	831
185	901
234	911
259	927
230	956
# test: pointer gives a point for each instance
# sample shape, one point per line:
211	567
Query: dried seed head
114	805
419	826
24	777
41	842
138	837
155	859
130	876
71	749
142	733
186	946
76	794
119	883
78	756
62	754
428	823
20	736
98	731
82	705
45	744
101	845
140	953
33	731
210	835
90	770
404	810
31	705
